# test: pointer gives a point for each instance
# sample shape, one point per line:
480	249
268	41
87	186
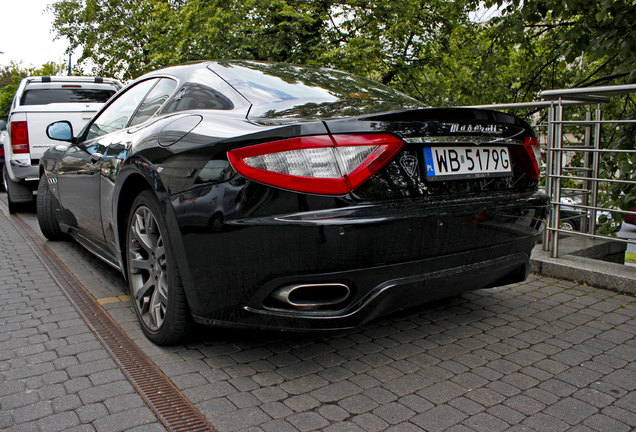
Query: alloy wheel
147	268
568	226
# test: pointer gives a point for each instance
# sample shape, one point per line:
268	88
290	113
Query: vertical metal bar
587	159
549	171
595	170
556	183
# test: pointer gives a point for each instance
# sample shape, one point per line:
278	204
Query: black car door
79	170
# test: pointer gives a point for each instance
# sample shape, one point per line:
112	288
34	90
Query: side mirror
3	125
60	131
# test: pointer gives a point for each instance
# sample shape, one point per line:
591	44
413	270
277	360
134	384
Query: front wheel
154	280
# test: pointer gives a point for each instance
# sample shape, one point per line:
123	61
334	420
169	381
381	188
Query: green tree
10	77
113	34
578	43
603	31
388	41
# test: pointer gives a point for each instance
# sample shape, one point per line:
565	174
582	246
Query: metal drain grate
165	400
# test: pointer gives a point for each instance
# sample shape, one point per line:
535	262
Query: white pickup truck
38	102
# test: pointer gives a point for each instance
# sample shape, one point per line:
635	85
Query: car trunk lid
448	151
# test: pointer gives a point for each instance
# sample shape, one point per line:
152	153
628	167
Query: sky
25	34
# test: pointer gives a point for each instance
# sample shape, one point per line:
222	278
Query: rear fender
133	177
136	176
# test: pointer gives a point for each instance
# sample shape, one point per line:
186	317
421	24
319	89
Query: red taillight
533	150
19	137
321	164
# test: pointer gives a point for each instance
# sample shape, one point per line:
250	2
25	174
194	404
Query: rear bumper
393	288
19	171
391	256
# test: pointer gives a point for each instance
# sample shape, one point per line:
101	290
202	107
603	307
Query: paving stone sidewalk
54	374
543	355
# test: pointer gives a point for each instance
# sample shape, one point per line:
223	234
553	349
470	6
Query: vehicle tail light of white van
19	137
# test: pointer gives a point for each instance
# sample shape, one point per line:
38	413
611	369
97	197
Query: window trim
146	96
84	133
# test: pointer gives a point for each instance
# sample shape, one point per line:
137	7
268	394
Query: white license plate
466	162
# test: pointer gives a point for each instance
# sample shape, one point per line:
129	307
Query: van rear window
65	95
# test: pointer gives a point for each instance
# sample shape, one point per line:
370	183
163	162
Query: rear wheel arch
154	278
133	185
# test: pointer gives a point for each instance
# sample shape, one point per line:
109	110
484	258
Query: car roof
73	79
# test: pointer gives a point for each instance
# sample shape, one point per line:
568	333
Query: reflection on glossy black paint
340	108
197	96
307	92
205	209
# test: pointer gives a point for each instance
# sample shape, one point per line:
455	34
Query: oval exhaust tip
312	296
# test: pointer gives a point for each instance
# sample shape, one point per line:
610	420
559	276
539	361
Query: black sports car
243	193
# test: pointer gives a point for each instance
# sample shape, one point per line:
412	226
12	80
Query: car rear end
374	214
40	101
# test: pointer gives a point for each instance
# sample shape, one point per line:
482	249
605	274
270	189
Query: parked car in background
572	217
253	194
630	218
3	134
39	101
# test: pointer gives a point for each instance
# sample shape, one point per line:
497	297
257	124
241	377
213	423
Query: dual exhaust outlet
312	296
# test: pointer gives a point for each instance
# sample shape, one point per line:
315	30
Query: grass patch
630	256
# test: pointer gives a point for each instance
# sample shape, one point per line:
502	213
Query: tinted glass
154	100
277	90
118	113
65	95
198	96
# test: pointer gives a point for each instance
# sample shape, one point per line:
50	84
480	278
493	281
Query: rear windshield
65	95
285	90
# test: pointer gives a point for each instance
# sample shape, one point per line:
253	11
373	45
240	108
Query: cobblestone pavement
543	355
54	374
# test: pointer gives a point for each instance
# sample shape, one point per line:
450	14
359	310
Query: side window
198	96
118	113
154	100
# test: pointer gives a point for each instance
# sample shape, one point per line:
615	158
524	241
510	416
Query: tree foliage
10	77
430	49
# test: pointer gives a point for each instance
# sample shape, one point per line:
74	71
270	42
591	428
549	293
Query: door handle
96	157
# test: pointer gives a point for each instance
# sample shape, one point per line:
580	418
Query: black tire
153	277
46	208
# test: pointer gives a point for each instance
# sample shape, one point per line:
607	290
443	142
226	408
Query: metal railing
573	148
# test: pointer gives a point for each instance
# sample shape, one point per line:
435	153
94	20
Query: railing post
587	164
595	174
549	158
